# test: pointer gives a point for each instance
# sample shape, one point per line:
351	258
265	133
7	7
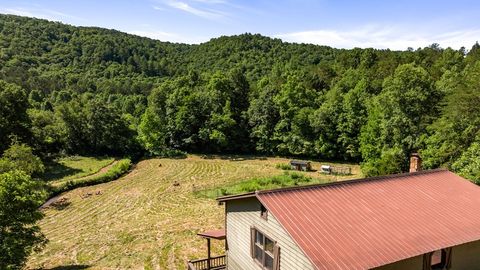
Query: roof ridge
351	181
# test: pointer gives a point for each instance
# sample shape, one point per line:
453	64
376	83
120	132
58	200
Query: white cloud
17	11
40	13
204	13
382	37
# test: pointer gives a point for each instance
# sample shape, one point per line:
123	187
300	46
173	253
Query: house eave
223	199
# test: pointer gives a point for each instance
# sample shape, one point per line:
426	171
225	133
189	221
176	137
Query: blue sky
339	23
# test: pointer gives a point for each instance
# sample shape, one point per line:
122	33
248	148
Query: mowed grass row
149	218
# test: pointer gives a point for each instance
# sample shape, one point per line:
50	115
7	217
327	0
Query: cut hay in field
144	220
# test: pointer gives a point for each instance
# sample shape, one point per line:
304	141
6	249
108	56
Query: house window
263	212
440	259
264	251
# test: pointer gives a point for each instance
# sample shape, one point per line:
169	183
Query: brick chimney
415	162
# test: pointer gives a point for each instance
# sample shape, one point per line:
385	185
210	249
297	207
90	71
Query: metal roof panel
365	224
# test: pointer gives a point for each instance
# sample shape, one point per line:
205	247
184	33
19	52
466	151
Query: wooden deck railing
216	263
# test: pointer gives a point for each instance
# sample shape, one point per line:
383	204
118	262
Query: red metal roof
215	234
374	222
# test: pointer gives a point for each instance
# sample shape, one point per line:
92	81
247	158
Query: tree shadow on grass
55	171
68	267
233	157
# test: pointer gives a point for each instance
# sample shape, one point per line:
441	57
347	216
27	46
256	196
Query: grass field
74	167
143	220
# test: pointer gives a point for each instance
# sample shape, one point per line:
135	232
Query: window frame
263	249
263	212
443	260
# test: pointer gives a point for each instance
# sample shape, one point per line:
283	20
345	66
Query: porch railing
216	263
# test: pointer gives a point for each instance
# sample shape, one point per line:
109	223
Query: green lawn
287	179
73	167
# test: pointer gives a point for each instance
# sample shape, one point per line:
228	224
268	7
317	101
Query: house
300	165
419	220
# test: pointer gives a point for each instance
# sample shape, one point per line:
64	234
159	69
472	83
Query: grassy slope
74	167
142	220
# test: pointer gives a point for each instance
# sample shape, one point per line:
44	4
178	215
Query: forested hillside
77	90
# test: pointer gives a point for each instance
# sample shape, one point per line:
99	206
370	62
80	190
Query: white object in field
326	168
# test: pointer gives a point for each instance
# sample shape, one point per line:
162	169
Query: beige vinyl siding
241	215
464	257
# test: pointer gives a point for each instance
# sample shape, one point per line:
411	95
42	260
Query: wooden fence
216	263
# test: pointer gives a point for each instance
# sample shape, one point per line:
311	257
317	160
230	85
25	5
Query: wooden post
208	250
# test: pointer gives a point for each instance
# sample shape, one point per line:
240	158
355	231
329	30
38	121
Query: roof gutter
223	199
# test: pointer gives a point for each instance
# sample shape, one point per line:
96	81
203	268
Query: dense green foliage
78	90
468	165
20	157
14	120
20	198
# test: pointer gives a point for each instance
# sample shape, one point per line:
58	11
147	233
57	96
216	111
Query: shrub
391	161
173	153
20	157
283	166
285	180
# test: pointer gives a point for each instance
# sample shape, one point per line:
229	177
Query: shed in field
300	165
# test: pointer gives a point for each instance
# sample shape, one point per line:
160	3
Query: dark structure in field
300	165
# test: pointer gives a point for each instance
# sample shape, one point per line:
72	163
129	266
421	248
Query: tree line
83	90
